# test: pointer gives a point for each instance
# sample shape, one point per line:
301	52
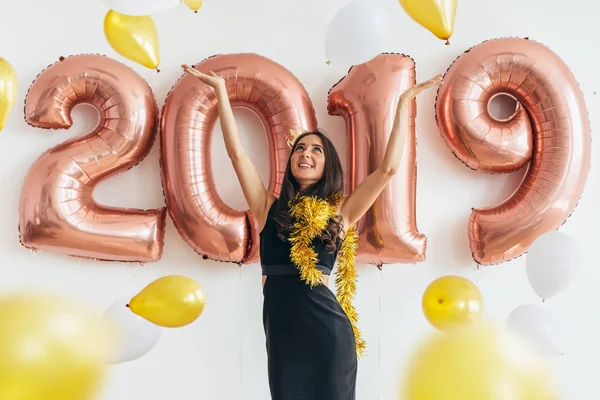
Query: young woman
312	338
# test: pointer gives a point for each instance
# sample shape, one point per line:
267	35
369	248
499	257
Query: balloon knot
447	42
196	12
380	267
127	305
157	70
61	58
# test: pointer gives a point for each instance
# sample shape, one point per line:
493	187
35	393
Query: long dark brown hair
330	184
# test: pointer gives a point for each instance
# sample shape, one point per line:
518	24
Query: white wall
222	355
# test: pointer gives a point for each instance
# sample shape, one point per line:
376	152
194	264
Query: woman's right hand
213	80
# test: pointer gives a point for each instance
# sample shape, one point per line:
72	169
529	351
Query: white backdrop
222	355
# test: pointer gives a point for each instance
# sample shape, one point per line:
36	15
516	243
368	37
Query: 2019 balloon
57	210
549	131
367	99
59	214
205	222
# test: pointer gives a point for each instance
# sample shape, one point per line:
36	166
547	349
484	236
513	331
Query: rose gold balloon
549	129
57	209
206	223
367	99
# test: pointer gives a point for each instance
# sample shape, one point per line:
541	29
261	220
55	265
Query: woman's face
308	161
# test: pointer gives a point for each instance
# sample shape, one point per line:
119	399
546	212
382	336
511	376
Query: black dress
310	343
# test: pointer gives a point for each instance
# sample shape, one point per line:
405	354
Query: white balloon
136	336
552	261
140	7
357	33
538	327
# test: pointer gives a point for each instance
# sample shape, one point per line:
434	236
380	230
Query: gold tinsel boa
312	216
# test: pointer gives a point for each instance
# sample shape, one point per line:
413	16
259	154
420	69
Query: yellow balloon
172	301
437	16
480	362
134	38
452	301
8	90
50	349
193	4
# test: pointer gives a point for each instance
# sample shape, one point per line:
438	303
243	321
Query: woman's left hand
413	91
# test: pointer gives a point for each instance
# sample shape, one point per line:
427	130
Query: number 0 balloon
212	228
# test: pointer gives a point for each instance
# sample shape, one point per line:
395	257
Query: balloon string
379	335
241	358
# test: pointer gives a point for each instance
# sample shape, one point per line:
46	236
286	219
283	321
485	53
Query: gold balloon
134	38
172	301
480	362
8	90
50	349
437	16
452	301
193	4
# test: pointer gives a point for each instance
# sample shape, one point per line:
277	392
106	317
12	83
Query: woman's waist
289	269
